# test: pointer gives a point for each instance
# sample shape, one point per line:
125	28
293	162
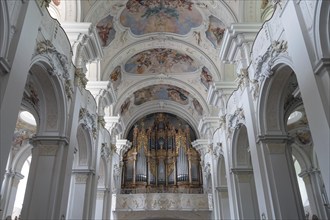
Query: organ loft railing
161	159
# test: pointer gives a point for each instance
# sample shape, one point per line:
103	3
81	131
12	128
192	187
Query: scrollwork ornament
88	121
81	77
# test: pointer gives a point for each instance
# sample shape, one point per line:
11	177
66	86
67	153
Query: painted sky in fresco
160	60
147	16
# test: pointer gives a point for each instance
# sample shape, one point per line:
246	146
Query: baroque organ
161	158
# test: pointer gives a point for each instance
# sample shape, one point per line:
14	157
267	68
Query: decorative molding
105	150
81	178
273	138
163	201
68	88
56	59
80	77
88	121
208	125
219	93
101	121
49	150
234	119
122	145
263	63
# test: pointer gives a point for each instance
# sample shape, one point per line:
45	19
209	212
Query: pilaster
46	180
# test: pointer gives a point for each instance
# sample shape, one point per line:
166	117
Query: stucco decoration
162	201
174	16
160	60
235	119
88	121
106	31
215	31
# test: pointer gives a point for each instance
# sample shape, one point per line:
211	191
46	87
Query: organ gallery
161	157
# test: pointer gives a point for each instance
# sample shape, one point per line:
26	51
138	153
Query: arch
272	100
51	99
240	153
4	28
84	147
246	195
322	29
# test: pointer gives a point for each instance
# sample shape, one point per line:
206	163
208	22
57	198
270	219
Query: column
246	193
46	181
12	180
100	203
224	202
284	188
13	82
313	186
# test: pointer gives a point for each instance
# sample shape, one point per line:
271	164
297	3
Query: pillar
284	188
12	83
311	84
247	203
46	181
224	202
313	184
81	201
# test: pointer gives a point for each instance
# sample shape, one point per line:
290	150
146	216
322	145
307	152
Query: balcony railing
161	190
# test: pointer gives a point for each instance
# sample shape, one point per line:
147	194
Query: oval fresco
161	92
106	30
160	60
215	31
147	16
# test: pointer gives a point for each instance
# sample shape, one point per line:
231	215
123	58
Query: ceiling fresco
147	16
160	60
106	30
206	77
115	77
215	31
161	92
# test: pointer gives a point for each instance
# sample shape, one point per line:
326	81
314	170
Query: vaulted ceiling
160	55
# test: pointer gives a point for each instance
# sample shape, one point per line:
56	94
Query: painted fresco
115	77
105	30
197	106
160	60
147	16
125	106
161	92
206	77
215	31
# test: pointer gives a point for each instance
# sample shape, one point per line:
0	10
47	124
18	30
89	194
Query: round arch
51	99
